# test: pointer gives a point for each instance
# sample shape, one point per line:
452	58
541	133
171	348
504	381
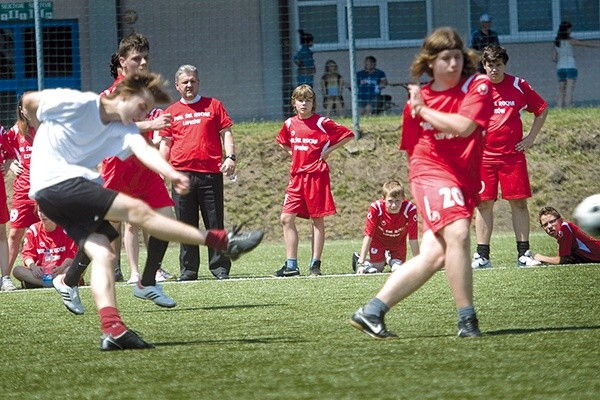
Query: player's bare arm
444	122
161	122
536	127
329	150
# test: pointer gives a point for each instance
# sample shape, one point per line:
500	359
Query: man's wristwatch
232	157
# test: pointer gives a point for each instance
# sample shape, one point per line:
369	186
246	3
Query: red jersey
113	86
576	245
38	240
391	230
438	154
17	146
195	132
308	139
505	129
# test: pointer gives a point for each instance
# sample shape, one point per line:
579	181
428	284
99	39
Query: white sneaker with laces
133	279
527	260
70	295
7	284
479	262
155	294
162	276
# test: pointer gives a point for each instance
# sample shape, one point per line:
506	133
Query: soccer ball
587	214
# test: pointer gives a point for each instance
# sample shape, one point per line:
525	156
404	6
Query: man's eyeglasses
551	222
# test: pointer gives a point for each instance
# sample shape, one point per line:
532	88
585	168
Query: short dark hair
548	211
493	53
135	41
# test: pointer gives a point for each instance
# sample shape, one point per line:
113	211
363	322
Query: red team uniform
390	231
38	240
18	146
308	193
197	149
501	162
576	246
133	178
444	168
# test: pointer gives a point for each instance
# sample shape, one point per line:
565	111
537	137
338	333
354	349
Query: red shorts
23	213
152	191
309	196
442	201
377	252
511	175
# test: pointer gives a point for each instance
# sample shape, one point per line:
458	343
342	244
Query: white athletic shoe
527	260
70	295
133	279
7	284
155	294
479	262
162	276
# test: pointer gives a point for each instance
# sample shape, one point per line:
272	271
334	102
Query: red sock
217	239
111	322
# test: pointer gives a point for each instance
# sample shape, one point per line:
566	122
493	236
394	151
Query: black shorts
78	205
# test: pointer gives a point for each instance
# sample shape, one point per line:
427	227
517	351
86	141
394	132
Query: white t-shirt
566	59
72	140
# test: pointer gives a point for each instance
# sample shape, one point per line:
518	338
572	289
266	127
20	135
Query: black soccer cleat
372	325
126	341
468	327
284	272
241	242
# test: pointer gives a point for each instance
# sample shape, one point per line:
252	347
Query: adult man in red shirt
574	245
503	161
194	144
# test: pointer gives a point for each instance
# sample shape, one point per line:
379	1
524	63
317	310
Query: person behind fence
482	37
390	221
309	139
442	131
574	245
46	248
332	86
304	59
371	81
75	132
566	68
504	163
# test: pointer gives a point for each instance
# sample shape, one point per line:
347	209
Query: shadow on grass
517	331
231	307
264	340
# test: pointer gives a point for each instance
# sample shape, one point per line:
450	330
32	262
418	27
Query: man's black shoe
186	277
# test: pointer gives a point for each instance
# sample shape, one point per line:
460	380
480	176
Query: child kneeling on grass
390	221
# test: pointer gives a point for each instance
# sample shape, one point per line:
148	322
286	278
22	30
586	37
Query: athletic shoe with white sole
241	242
527	260
155	294
70	295
127	340
284	272
479	262
134	278
163	276
7	284
372	325
469	327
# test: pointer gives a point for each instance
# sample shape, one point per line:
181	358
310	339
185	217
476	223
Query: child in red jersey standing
309	138
390	221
